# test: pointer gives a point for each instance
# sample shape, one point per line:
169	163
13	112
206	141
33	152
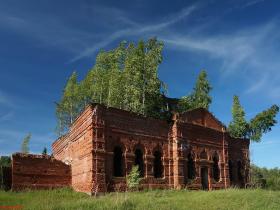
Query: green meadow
236	199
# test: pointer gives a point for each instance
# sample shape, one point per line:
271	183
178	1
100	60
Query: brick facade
192	151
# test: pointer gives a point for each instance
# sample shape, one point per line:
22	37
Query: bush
133	178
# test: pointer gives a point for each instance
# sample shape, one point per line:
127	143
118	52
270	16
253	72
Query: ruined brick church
192	151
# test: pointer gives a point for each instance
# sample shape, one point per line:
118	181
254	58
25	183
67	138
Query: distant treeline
265	178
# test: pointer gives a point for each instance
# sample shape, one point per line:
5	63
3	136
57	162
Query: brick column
178	164
224	162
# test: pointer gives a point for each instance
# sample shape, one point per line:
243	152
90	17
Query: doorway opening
204	178
118	162
139	161
158	167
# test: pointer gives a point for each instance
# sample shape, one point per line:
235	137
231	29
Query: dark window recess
158	167
118	162
191	167
230	168
216	169
239	171
139	161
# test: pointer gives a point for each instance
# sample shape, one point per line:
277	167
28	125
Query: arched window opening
239	171
118	162
191	167
230	168
139	161
158	167
203	155
216	169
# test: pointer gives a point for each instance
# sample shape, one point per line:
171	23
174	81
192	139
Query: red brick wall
239	151
75	148
201	117
200	139
38	172
89	148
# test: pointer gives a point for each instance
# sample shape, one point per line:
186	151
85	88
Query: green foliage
200	97
265	178
45	151
69	106
230	199
25	144
125	78
5	161
257	177
184	104
238	126
256	127
262	123
133	178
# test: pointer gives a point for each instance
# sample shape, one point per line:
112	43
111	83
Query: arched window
139	161
230	168
216	169
203	155
118	161
191	167
158	167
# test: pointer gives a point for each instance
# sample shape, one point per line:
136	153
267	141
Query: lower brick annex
192	151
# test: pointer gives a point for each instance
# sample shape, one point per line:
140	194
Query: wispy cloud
6	117
251	52
135	29
251	3
52	31
49	31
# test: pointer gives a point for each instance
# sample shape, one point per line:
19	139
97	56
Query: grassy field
159	200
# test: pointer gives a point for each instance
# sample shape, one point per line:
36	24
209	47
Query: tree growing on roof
256	127
200	97
125	77
25	144
238	126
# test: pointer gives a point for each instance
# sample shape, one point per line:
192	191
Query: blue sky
42	42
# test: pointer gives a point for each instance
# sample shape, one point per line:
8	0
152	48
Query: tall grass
236	199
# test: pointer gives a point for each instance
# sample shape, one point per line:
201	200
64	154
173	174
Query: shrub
133	178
